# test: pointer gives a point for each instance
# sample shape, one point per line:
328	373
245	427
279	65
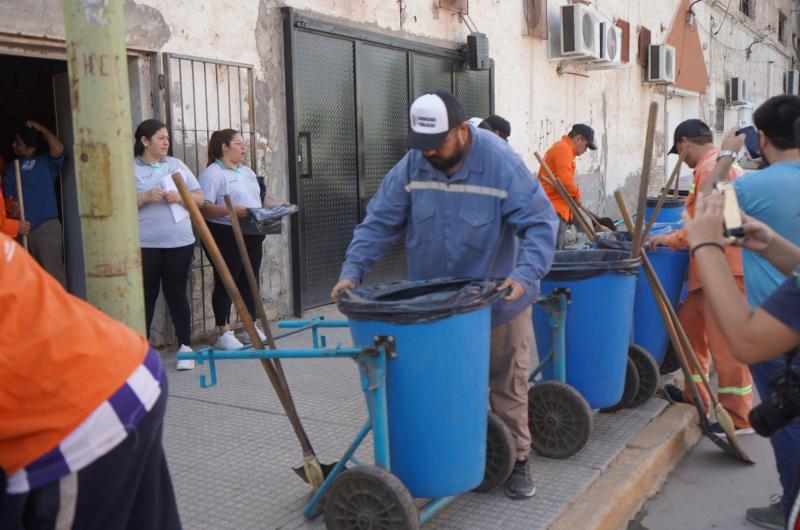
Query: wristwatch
723	154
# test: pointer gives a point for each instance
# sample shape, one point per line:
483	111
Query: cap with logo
585	131
693	128
431	117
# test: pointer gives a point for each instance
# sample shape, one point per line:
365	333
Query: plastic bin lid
579	264
669	202
407	301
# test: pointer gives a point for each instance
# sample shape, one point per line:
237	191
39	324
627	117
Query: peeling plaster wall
540	103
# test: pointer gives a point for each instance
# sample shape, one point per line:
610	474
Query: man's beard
443	164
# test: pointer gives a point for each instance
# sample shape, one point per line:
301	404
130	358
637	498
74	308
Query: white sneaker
244	337
185	364
228	341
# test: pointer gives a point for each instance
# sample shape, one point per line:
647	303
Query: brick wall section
691	71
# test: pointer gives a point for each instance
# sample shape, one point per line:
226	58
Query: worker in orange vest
560	158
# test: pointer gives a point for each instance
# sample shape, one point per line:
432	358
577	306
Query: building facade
320	89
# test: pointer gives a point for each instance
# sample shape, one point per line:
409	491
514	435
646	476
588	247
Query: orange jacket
8	226
60	358
678	238
560	158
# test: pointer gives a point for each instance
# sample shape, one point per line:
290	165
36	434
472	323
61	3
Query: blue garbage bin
599	321
670	212
670	266
438	385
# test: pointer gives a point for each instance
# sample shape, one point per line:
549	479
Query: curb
636	474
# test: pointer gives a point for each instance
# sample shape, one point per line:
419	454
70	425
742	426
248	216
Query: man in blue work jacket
469	208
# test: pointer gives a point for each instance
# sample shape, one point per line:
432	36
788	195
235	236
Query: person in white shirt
226	175
165	230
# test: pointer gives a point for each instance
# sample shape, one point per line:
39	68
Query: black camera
783	406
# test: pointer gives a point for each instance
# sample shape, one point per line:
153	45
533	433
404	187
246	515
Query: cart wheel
630	391
647	369
670	362
500	454
559	418
369	498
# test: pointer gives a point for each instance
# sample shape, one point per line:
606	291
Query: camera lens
770	416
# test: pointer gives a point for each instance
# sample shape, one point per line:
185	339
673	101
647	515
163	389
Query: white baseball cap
431	117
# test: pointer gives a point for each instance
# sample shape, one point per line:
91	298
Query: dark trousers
220	301
561	234
169	269
785	443
127	489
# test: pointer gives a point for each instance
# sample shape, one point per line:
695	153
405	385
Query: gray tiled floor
231	449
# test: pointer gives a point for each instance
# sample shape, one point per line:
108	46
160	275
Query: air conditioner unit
791	83
610	44
736	91
660	64
580	32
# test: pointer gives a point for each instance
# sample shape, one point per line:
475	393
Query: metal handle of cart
372	361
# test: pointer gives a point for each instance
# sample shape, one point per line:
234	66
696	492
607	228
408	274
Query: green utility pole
98	72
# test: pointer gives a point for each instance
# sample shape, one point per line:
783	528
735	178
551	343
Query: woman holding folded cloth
165	230
226	175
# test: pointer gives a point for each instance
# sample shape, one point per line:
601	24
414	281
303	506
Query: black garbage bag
615	241
669	202
581	264
409	302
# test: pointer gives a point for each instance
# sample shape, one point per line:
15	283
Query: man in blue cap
469	208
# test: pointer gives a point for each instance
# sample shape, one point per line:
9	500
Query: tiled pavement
231	449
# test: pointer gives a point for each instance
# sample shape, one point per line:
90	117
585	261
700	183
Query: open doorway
39	90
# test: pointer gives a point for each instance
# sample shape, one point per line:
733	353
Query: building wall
540	100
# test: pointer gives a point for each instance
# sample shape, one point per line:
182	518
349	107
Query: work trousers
46	245
562	234
220	300
129	488
509	369
168	268
785	443
735	383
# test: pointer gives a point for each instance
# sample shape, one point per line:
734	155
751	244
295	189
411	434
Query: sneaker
520	484
185	364
228	341
772	516
244	337
716	428
674	394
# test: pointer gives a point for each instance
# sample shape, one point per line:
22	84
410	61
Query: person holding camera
695	140
769	332
770	196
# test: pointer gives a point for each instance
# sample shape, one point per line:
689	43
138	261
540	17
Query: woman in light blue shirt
165	230
226	175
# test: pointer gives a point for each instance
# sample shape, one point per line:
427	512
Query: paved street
231	449
710	490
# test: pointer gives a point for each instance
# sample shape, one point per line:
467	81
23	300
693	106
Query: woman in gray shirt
165	230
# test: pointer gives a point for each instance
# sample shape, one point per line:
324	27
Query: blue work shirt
771	195
38	174
490	219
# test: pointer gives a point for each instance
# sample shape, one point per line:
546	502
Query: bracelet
706	244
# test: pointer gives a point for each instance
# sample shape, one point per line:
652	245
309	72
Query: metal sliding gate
204	96
348	93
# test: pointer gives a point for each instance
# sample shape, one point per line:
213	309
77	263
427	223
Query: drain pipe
101	116
795	32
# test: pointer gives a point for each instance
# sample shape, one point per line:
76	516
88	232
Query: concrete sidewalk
231	449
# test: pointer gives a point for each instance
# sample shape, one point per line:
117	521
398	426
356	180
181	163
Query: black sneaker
674	394
717	429
520	484
772	516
